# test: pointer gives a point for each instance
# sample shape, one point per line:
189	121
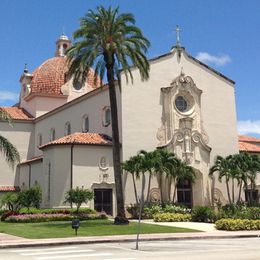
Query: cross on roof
178	30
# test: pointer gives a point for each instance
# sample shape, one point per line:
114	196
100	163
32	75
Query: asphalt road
219	249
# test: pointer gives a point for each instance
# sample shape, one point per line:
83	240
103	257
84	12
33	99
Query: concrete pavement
9	241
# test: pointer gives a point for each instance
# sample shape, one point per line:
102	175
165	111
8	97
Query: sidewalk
9	241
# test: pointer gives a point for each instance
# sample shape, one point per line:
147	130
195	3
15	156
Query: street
211	249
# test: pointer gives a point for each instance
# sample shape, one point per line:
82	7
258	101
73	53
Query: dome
50	76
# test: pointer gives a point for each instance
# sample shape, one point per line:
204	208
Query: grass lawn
87	228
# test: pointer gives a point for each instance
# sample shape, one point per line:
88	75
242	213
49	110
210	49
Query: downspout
71	166
30	174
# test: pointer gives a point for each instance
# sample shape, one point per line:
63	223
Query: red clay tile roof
244	138
50	76
9	188
248	147
17	113
81	138
38	158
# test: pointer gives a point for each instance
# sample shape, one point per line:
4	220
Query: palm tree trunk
149	186
228	192
169	187
174	192
120	219
135	191
160	187
233	191
240	190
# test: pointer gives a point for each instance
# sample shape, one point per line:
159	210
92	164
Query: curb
121	240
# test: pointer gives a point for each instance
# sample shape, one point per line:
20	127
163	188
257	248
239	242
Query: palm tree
149	158
222	166
109	42
241	162
130	167
164	162
182	172
9	151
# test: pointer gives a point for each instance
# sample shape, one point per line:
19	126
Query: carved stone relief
181	124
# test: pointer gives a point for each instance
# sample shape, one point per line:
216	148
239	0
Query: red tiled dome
50	76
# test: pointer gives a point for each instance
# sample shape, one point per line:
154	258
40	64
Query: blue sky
224	34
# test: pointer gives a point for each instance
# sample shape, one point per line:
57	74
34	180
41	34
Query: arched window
85	124
67	128
106	116
52	134
39	140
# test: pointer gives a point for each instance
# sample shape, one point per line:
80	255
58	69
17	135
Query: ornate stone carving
155	195
181	128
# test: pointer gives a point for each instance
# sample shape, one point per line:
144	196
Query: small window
39	141
67	128
85	124
106	116
52	134
181	104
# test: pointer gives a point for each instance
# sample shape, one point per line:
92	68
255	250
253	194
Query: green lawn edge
61	229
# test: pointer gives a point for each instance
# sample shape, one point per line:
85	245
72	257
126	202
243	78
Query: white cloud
8	96
248	127
220	60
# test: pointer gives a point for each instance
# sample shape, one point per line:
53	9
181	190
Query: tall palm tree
9	151
164	162
222	166
110	42
149	157
130	167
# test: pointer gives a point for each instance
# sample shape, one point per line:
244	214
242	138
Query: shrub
133	210
46	217
78	196
203	214
11	201
237	224
8	214
239	212
150	211
169	208
171	217
31	197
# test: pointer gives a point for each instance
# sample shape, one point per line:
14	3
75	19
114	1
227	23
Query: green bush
11	201
46	217
237	224
150	211
239	212
169	208
59	210
171	217
78	196
31	197
203	214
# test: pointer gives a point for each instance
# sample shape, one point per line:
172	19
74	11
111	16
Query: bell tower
62	44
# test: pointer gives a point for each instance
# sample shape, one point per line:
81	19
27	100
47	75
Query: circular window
77	85
181	104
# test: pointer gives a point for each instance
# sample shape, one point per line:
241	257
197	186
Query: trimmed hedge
237	224
171	217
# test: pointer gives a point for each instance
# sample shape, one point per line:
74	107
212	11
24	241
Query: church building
63	130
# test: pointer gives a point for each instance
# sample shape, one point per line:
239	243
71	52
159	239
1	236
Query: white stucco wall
21	135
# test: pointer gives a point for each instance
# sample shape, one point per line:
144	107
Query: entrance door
184	193
103	200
